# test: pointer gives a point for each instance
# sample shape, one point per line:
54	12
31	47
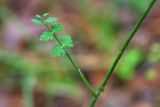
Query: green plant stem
28	90
83	78
131	35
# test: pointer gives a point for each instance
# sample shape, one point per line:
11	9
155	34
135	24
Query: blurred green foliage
18	63
106	31
150	74
154	55
46	73
139	5
127	67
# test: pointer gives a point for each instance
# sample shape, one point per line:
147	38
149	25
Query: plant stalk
83	78
131	35
28	90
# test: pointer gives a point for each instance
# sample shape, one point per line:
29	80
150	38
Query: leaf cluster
50	34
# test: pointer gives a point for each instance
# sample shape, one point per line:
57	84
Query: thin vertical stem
131	35
28	90
83	78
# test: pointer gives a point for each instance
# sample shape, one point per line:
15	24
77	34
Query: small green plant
65	43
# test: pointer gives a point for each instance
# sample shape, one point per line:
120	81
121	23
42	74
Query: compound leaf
57	28
51	20
37	22
67	41
46	36
57	51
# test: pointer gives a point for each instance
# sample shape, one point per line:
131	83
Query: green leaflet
45	14
67	41
57	51
37	22
38	17
57	28
51	20
46	36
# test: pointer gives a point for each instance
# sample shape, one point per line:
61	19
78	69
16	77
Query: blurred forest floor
99	29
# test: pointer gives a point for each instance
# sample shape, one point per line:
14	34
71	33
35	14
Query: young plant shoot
63	44
66	42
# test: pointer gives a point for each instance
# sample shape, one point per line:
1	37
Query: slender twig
83	78
131	35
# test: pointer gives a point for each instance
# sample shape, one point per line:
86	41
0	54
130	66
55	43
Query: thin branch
131	35
83	78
